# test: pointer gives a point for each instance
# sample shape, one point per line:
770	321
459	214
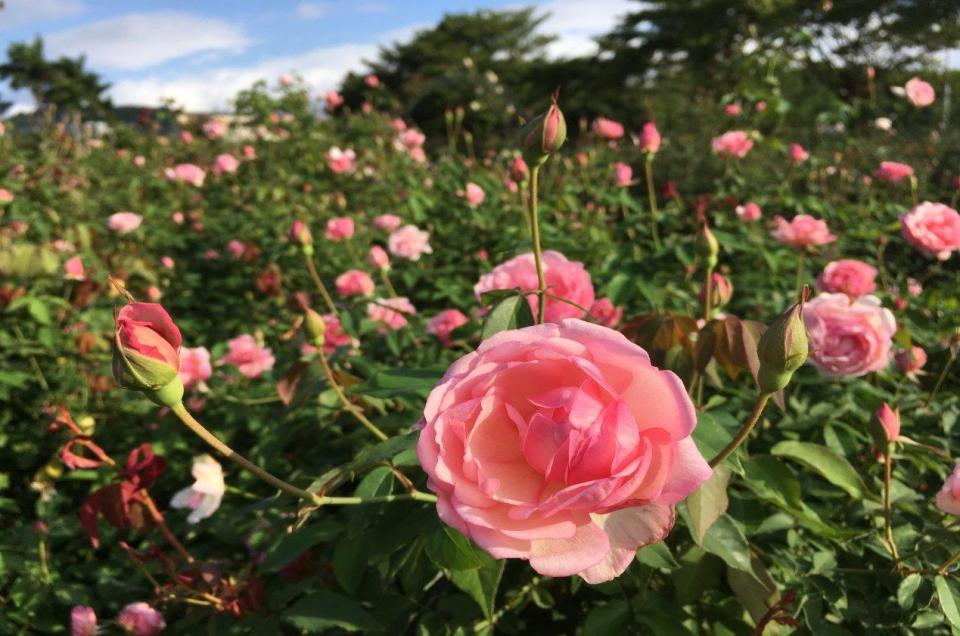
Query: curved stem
648	169
347	404
164	530
761	402
535	236
327	300
181	412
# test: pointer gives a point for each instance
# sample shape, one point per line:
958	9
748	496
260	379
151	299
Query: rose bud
707	247
146	353
543	135
315	327
301	235
890	421
721	291
910	361
783	349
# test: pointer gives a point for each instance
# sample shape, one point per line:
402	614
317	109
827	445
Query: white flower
206	493
883	123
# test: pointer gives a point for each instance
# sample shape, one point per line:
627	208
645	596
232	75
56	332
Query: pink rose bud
607	128
890	421
622	175
543	135
83	621
912	360
721	288
378	257
146	352
139	619
300	234
707	247
649	138
798	153
474	194
518	170
761	106
167	262
73	269
749	212
732	110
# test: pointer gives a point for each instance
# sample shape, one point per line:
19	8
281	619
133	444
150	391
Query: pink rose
732	110
372	81
203	498
378	258
932	228
333	100
139	161
518	170
186	173
194	365
249	152
798	153
412	138
761	106
225	164
83	621
948	499
341	161
124	222
848	337
167	262
649	138
444	323
154	294
236	248
391	311
848	276
409	242
919	93
560	444
475	195
605	312
178	218
139	619
802	231
73	269
912	360
388	222
890	421
749	212
565	279
622	175
249	358
893	172
214	128
339	228
354	283
607	128
334	336
735	143
186	136
5	195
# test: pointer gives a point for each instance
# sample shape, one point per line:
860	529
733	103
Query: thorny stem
327	300
741	436
535	236
347	404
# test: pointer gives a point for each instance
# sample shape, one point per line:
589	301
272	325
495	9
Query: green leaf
756	592
657	555
609	619
481	583
349	562
322	610
292	545
394	382
450	550
831	466
708	502
725	540
907	590
948	602
510	313
711	437
771	479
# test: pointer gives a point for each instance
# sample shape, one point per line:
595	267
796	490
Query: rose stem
887	511
328	301
347	404
535	236
761	402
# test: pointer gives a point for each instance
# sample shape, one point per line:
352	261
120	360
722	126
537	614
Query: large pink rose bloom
848	276
124	222
249	358
735	143
849	337
560	444
893	172
194	365
140	619
566	279
225	164
948	499
802	231
933	228
409	242
919	93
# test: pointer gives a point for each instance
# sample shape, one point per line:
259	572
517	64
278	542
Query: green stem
347	404
648	169
181	412
327	300
941	378
708	297
887	510
416	495
762	400
387	284
799	283
535	236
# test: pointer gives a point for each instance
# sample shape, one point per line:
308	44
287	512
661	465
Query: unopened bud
315	328
300	234
890	421
146	353
783	348
721	291
708	248
543	135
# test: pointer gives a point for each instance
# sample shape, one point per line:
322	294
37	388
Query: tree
62	83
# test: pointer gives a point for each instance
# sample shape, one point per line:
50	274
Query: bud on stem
783	348
315	327
543	135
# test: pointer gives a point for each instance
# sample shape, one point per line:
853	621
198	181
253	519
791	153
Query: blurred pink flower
354	283
893	172
177	217
749	212
919	93
339	228
391	311
802	231
73	269
444	323
204	496
848	276
194	365
341	161
604	312
154	294
249	152
249	358
139	161
761	106
83	621
186	173
475	194
622	174
910	361
214	128
225	164
798	153
409	242
732	110
139	619
518	170
735	143
607	128
948	499
914	288
649	140
124	222
932	228
849	337
378	257
186	136
372	81
412	138
5	195
167	262
236	248
388	222
333	100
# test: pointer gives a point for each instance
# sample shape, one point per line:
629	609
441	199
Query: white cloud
577	22
311	10
142	40
19	12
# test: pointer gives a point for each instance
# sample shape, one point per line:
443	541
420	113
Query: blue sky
201	52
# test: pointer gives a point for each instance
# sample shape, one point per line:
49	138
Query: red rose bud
890	421
722	291
543	135
783	348
146	353
315	327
